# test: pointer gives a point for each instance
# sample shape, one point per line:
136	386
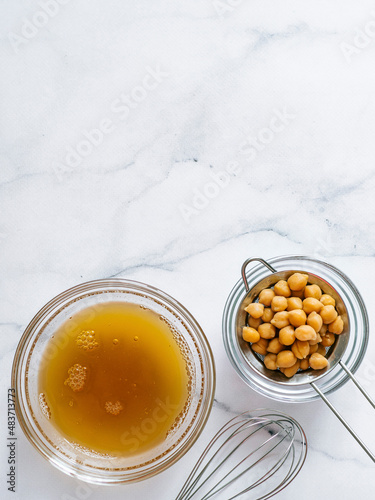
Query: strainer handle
341	418
355	381
253	259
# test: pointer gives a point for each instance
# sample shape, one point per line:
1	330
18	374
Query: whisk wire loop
259	451
261	479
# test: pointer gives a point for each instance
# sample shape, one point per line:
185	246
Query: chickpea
313	291
275	346
280	319
279	304
328	314
299	293
282	288
305	332
304	364
328	339
336	326
317	361
297	317
321	350
313	348
316	340
266	296
254	323
297	281
286	335
327	300
267	331
310	304
255	310
292	370
270	361
267	315
285	359
250	334
260	347
324	329
294	303
301	349
315	320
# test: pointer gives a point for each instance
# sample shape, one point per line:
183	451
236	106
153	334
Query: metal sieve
298	383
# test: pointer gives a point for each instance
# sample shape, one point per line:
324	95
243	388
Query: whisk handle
343	421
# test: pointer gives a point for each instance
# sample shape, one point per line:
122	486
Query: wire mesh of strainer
344	356
256	454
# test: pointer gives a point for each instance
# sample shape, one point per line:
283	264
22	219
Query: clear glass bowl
239	353
77	461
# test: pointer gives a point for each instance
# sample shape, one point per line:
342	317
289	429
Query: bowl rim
79	291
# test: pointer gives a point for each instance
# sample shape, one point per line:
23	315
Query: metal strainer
334	354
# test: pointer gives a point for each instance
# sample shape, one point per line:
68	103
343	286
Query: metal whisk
258	453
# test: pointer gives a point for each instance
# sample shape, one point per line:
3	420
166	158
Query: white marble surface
181	90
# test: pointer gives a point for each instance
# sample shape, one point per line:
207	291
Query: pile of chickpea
292	324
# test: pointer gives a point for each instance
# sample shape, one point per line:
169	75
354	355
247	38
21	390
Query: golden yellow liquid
131	380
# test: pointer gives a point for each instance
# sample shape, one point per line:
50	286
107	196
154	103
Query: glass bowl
243	358
78	461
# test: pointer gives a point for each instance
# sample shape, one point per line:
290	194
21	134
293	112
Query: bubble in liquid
115	341
113	408
136	338
77	377
44	406
86	340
